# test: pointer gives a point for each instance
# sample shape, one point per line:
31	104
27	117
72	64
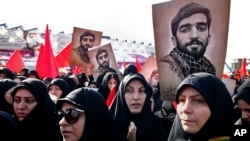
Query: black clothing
149	127
220	122
99	124
5	85
130	68
167	115
9	128
62	84
40	123
104	88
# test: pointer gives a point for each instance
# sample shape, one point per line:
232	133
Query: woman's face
24	103
112	83
135	96
92	86
72	132
245	110
193	110
55	90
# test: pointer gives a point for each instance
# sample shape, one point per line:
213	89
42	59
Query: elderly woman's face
193	110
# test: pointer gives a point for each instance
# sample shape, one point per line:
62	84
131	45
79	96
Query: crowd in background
79	107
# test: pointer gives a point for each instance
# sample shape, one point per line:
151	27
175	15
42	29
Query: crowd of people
68	108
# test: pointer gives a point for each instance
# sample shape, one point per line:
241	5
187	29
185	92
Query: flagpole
229	68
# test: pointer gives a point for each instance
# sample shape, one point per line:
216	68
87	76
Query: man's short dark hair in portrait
86	41
190	37
102	59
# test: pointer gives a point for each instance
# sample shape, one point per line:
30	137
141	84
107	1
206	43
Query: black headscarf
9	74
149	127
220	103
244	95
71	82
99	124
40	123
104	89
5	85
130	68
62	84
25	70
94	83
9	128
35	73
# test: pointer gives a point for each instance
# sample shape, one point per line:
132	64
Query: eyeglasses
71	115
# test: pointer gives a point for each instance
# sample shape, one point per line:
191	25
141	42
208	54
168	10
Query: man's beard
105	64
85	48
196	54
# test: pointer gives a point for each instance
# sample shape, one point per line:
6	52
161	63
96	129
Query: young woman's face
112	83
55	90
24	103
72	132
193	110
135	96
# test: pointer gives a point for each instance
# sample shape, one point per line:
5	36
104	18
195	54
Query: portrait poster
93	53
166	20
75	57
149	67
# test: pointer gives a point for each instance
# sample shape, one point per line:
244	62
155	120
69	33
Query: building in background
28	42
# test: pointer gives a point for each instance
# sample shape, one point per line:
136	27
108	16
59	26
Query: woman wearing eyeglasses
132	110
35	111
84	116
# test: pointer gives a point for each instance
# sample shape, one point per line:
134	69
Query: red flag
15	63
225	75
137	64
111	96
46	63
243	69
76	70
40	60
62	57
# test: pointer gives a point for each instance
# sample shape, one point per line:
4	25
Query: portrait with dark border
164	24
78	55
95	52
